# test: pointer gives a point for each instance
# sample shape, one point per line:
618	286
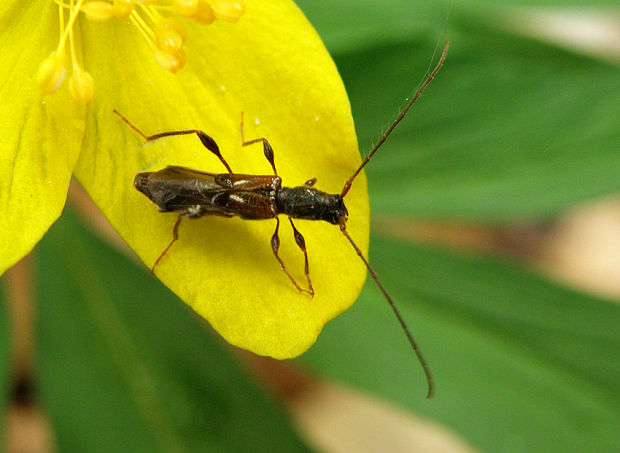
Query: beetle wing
177	188
231	181
247	205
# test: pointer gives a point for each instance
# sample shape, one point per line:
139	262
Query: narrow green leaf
125	366
521	365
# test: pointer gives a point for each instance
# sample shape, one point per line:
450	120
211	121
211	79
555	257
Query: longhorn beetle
194	194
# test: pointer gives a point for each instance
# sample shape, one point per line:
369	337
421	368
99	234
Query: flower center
152	18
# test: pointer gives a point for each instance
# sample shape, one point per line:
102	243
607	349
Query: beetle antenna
414	345
384	137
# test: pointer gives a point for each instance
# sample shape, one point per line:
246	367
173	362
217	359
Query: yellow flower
269	64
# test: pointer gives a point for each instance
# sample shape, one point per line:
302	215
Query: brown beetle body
251	197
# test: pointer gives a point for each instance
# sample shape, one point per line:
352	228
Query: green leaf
511	129
125	366
346	25
520	364
568	5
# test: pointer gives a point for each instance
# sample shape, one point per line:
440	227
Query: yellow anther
170	61
228	10
204	14
81	85
122	8
98	11
170	35
51	73
187	8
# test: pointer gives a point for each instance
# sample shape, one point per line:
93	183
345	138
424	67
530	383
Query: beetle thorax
311	204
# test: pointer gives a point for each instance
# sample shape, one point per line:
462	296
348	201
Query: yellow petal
41	135
271	65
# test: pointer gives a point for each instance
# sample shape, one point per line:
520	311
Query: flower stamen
122	8
81	84
186	8
164	35
98	11
51	73
227	10
143	28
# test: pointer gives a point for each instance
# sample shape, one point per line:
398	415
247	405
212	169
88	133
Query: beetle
193	194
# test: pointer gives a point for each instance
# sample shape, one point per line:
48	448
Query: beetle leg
207	141
192	213
175	236
275	246
301	242
267	149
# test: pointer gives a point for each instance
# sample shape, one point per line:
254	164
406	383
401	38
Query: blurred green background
516	129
